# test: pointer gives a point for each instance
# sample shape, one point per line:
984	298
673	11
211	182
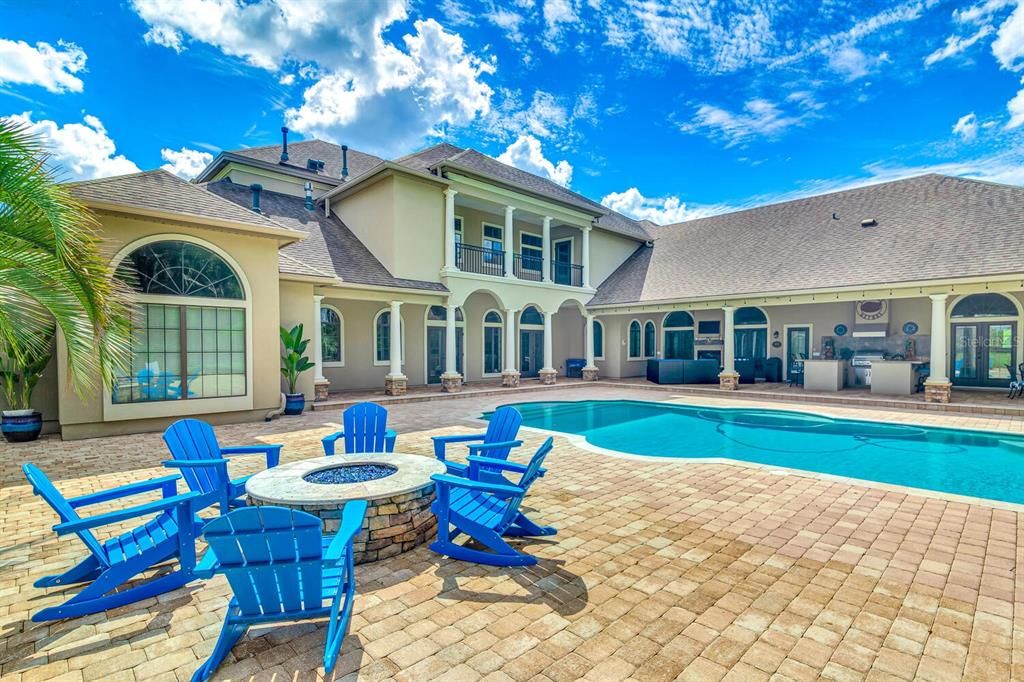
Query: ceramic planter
294	403
21	426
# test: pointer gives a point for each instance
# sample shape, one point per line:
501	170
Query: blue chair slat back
502	427
193	439
365	425
529	476
271	557
45	489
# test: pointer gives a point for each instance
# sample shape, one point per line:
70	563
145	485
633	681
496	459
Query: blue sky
662	110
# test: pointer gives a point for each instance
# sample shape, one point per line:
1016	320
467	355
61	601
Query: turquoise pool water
971	463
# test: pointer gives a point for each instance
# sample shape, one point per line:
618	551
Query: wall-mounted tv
709	328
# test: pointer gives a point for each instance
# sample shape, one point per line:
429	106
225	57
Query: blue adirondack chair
365	429
496	442
485	511
281	568
170	533
204	463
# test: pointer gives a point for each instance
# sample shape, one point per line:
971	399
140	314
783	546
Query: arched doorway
436	346
531	342
983	329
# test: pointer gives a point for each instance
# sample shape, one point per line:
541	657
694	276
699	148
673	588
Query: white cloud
660	210
50	67
165	36
82	151
1008	47
1016	108
287	79
759	118
955	45
557	15
185	163
526	154
967	127
365	84
849	61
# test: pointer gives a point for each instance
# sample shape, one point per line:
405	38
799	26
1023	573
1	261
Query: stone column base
510	378
320	387
590	373
729	381
396	384
938	392
548	376
451	383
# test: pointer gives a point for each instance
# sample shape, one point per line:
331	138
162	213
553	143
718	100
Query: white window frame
373	339
483	342
599	323
629	351
643	340
522	253
483	234
666	329
341	341
427	322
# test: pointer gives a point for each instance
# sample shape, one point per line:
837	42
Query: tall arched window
382	337
751	333
531	315
492	343
189	337
650	333
436	347
332	336
678	330
598	340
634	340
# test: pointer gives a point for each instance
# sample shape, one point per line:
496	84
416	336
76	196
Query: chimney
344	160
256	189
309	195
284	144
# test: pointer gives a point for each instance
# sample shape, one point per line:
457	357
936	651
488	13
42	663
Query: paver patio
661	570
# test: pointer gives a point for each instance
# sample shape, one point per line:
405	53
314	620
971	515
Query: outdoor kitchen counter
825	375
894	377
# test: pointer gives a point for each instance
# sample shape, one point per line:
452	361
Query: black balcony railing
567	273
471	258
528	267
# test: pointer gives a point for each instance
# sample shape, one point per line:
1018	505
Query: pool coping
582	443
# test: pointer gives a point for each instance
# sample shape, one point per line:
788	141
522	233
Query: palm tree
52	272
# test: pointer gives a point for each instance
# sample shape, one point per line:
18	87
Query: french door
984	353
437	353
798	346
531	344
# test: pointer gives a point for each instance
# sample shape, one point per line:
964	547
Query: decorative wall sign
776	344
841	329
910	328
872	311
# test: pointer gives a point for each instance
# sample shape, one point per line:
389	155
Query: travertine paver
661	570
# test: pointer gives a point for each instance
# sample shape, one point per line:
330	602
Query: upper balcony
491	261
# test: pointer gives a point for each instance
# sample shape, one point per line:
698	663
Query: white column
729	337
450	366
507	240
548	345
396	340
318	349
937	355
588	335
586	257
449	229
546	250
510	340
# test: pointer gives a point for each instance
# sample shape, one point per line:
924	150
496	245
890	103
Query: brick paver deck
661	570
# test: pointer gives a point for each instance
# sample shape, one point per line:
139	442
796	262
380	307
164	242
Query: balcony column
548	373
320	383
938	388
546	250
510	375
729	379
507	236
449	230
451	380
396	383
586	257
590	372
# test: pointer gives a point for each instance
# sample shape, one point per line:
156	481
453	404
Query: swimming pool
973	463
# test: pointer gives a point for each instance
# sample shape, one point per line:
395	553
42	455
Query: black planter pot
294	403
21	426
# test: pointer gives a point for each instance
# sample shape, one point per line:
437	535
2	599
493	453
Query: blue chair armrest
505	445
207	566
476	462
329	442
390	436
441	442
351	522
469	484
125	514
168	484
272	451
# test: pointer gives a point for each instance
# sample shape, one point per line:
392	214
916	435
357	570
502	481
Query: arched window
751	333
749	316
531	315
382	337
678	336
598	340
984	305
332	336
189	329
492	343
634	340
650	333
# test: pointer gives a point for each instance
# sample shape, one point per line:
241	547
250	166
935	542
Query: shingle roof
303	150
425	159
929	227
331	250
161	191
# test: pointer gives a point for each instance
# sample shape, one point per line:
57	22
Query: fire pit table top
286	484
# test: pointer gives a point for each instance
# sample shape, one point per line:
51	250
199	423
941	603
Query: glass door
678	345
530	343
798	346
563	262
984	354
437	352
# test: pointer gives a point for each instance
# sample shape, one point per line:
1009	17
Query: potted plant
18	378
294	363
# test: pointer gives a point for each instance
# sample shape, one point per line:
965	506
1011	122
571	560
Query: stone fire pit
397	487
